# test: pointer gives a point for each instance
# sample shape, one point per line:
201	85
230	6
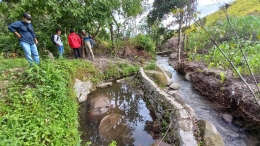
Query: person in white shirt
58	42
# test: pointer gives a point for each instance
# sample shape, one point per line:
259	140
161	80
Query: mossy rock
160	77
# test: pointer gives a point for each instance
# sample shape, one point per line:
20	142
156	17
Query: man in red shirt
75	43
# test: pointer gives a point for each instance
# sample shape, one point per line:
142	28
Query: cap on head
83	31
71	31
27	16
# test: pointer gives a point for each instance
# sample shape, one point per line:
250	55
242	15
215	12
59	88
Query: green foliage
12	63
222	77
40	107
113	143
48	15
248	33
160	8
238	8
221	32
144	42
120	70
151	65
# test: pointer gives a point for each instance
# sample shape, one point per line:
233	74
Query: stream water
205	109
119	113
130	118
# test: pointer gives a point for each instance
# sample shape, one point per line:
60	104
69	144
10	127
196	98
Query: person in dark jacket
27	38
75	43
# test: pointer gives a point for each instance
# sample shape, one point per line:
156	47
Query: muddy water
205	109
134	118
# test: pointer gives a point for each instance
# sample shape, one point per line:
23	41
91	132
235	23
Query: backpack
92	42
52	39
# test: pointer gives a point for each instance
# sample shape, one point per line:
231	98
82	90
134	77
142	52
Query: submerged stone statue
99	105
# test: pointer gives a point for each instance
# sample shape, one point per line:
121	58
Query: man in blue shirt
27	38
87	45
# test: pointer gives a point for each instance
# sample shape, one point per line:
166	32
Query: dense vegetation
201	48
38	105
238	8
99	18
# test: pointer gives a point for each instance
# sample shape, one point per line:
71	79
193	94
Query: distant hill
237	8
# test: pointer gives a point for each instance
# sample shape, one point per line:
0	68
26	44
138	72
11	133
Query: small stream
205	109
129	112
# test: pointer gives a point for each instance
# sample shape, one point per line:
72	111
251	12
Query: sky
205	7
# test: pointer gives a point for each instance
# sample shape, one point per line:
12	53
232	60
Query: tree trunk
183	41
179	36
97	30
112	35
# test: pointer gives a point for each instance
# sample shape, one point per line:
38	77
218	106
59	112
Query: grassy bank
38	104
238	8
200	48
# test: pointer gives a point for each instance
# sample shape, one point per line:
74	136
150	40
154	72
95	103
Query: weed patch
39	107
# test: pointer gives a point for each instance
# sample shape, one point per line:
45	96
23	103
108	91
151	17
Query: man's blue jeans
29	51
61	50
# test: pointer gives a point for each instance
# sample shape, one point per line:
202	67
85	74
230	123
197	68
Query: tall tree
91	15
184	10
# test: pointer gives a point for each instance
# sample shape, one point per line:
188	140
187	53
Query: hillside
237	8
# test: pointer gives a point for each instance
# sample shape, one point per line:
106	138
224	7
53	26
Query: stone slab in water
104	85
175	86
228	118
112	128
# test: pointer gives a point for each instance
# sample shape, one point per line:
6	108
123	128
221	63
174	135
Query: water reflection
124	121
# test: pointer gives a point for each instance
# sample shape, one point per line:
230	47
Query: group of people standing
81	44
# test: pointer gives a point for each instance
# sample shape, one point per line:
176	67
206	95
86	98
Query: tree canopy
162	7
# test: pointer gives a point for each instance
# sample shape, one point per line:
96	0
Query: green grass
115	71
238	8
39	107
13	63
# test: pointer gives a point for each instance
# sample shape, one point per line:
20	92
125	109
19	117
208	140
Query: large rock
174	86
210	134
111	127
162	70
158	76
188	76
82	89
167	72
228	118
99	105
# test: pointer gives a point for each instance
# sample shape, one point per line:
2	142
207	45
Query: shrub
40	107
144	42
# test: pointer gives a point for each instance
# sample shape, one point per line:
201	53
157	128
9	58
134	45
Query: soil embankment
230	94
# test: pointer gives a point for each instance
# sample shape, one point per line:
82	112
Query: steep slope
237	8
